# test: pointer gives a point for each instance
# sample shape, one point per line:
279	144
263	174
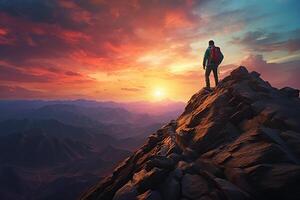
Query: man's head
211	43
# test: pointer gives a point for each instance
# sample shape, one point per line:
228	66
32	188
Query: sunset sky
132	50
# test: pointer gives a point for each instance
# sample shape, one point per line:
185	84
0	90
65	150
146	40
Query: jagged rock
240	140
215	194
189	154
170	188
183	166
184	136
168	147
152	141
160	162
194	186
128	191
239	73
255	74
207	166
149	195
243	113
148	180
292	140
238	177
177	174
276	181
175	157
231	191
290	92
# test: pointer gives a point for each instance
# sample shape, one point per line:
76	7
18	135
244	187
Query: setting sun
159	94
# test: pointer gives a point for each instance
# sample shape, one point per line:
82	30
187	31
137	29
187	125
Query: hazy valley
48	146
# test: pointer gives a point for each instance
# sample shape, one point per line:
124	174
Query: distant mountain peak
240	140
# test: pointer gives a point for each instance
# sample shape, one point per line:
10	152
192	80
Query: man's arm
222	57
205	58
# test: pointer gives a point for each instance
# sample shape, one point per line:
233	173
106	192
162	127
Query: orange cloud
177	19
105	49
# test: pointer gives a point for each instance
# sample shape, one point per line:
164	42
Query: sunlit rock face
240	140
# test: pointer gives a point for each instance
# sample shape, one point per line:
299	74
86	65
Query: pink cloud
17	75
65	41
278	74
16	92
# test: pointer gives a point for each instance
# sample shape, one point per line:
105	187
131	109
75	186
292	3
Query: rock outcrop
238	141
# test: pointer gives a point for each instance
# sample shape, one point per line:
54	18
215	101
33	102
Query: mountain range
48	146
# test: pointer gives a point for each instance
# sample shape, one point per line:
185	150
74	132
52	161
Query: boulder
255	74
183	166
238	177
276	181
205	165
128	191
152	141
194	186
175	157
189	154
290	92
170	188
160	162
149	195
239	73
231	191
144	180
177	174
292	140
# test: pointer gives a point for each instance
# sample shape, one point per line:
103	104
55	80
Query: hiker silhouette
211	61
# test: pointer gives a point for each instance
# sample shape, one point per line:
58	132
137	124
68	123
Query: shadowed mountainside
48	146
239	141
40	158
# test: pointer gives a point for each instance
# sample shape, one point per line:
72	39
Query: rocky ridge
239	141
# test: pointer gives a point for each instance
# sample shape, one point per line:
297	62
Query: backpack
216	55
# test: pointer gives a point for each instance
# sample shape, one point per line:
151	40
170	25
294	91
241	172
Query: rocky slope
239	141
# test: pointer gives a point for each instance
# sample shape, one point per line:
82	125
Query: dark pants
208	69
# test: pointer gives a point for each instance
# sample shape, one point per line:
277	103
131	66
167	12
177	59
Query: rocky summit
240	140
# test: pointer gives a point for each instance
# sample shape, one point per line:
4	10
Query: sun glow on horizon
159	94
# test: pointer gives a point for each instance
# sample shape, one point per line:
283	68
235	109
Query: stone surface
177	174
231	191
149	195
240	140
170	188
238	177
148	180
290	92
161	162
128	191
194	186
277	181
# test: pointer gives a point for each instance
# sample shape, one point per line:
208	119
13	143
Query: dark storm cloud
35	10
41	11
14	74
100	6
266	42
70	73
16	92
32	46
85	31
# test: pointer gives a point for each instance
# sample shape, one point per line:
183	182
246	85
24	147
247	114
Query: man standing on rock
212	59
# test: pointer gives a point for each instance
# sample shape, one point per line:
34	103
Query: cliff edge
239	141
